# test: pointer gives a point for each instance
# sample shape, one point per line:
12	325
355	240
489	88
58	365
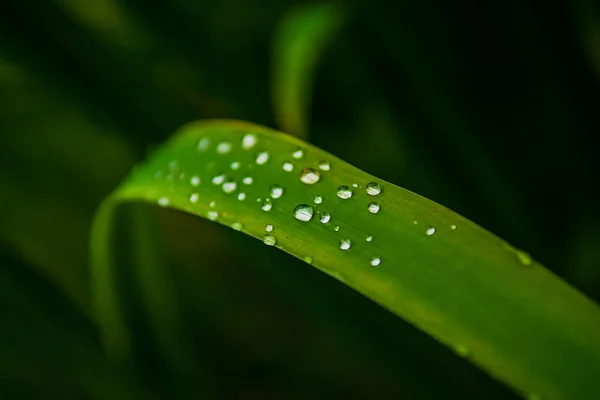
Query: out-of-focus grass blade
456	281
300	39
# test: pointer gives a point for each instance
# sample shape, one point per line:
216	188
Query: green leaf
456	281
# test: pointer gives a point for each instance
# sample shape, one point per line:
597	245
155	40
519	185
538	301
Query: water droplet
195	181
262	158
269	240
219	179
224	147
235	165
308	260
523	257
336	228
267	205
375	261
194	198
163	201
325	218
373	207
259	199
318	199
369	238
276	191
269	228
415	222
303	212
298	154
237	226
288	166
229	186
212	215
241	196
355	185
310	176
430	231
247	180
373	189
344	192
248	141
345	244
453	227
203	144
324	165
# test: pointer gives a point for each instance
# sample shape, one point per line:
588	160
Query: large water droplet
318	199
373	207
235	165
303	212
269	240
324	165
344	192
195	181
242	196
212	215
203	144
298	154
269	228
375	261
369	238
288	166
224	147
430	231
309	176
229	186
373	189
248	141
267	205
262	158
219	179
193	197
345	244
163	201
237	226
247	180
276	191
324	218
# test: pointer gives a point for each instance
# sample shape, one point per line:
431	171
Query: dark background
490	108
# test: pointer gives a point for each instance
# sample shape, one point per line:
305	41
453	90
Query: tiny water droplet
237	226
303	212
309	176
298	154
276	191
269	228
195	181
224	147
523	257
373	189
288	166
308	260
344	192
415	222
324	165
373	207
267	205
203	144
355	185
259	199
369	238
336	228
235	165
325	218
219	179
262	158
229	186
345	244
248	141
430	231
318	199
241	196
194	197
269	240
212	215
163	201
375	261
247	180
453	227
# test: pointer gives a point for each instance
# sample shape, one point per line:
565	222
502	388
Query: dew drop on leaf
453	227
276	191
195	181
248	141
344	192
269	228
325	218
235	165
262	158
288	166
373	207
369	238
247	180
310	176
267	205
324	165
237	226
430	231
375	261
163	201
203	144
308	260
523	257
194	198
318	199
336	228
213	204
298	154
219	179
212	215
303	212
242	196
269	240
373	189
224	147
345	244
229	186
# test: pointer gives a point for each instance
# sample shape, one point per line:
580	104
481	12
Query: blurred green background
489	108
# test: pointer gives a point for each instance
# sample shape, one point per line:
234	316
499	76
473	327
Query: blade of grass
454	280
